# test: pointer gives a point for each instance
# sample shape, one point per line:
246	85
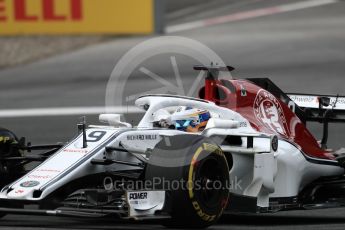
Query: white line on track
66	111
247	15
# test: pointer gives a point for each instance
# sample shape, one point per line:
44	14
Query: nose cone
21	193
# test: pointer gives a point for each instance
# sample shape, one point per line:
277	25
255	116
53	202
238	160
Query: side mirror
113	120
222	123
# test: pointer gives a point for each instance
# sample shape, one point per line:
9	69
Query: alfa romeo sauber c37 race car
245	148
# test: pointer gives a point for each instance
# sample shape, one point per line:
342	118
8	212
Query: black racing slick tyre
9	171
8	148
195	175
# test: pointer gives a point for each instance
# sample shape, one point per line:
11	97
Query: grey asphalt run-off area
301	51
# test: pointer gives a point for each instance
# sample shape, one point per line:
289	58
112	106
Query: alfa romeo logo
269	112
29	184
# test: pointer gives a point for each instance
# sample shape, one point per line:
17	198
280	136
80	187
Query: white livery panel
65	160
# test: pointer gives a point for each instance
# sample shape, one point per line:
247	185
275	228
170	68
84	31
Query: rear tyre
200	169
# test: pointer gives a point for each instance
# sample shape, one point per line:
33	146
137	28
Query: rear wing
321	107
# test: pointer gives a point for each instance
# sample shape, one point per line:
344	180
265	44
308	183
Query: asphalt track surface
301	51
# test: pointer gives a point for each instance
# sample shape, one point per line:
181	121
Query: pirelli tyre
194	172
9	171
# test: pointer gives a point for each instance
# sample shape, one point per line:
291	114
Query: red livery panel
265	112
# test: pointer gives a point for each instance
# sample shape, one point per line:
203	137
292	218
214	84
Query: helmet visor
182	124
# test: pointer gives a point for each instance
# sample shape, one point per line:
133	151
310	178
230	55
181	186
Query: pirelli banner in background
81	16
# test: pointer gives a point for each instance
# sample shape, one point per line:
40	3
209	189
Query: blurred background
56	56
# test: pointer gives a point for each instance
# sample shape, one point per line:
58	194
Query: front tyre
9	147
200	169
9	171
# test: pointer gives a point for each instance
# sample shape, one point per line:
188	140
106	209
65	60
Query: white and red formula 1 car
255	154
